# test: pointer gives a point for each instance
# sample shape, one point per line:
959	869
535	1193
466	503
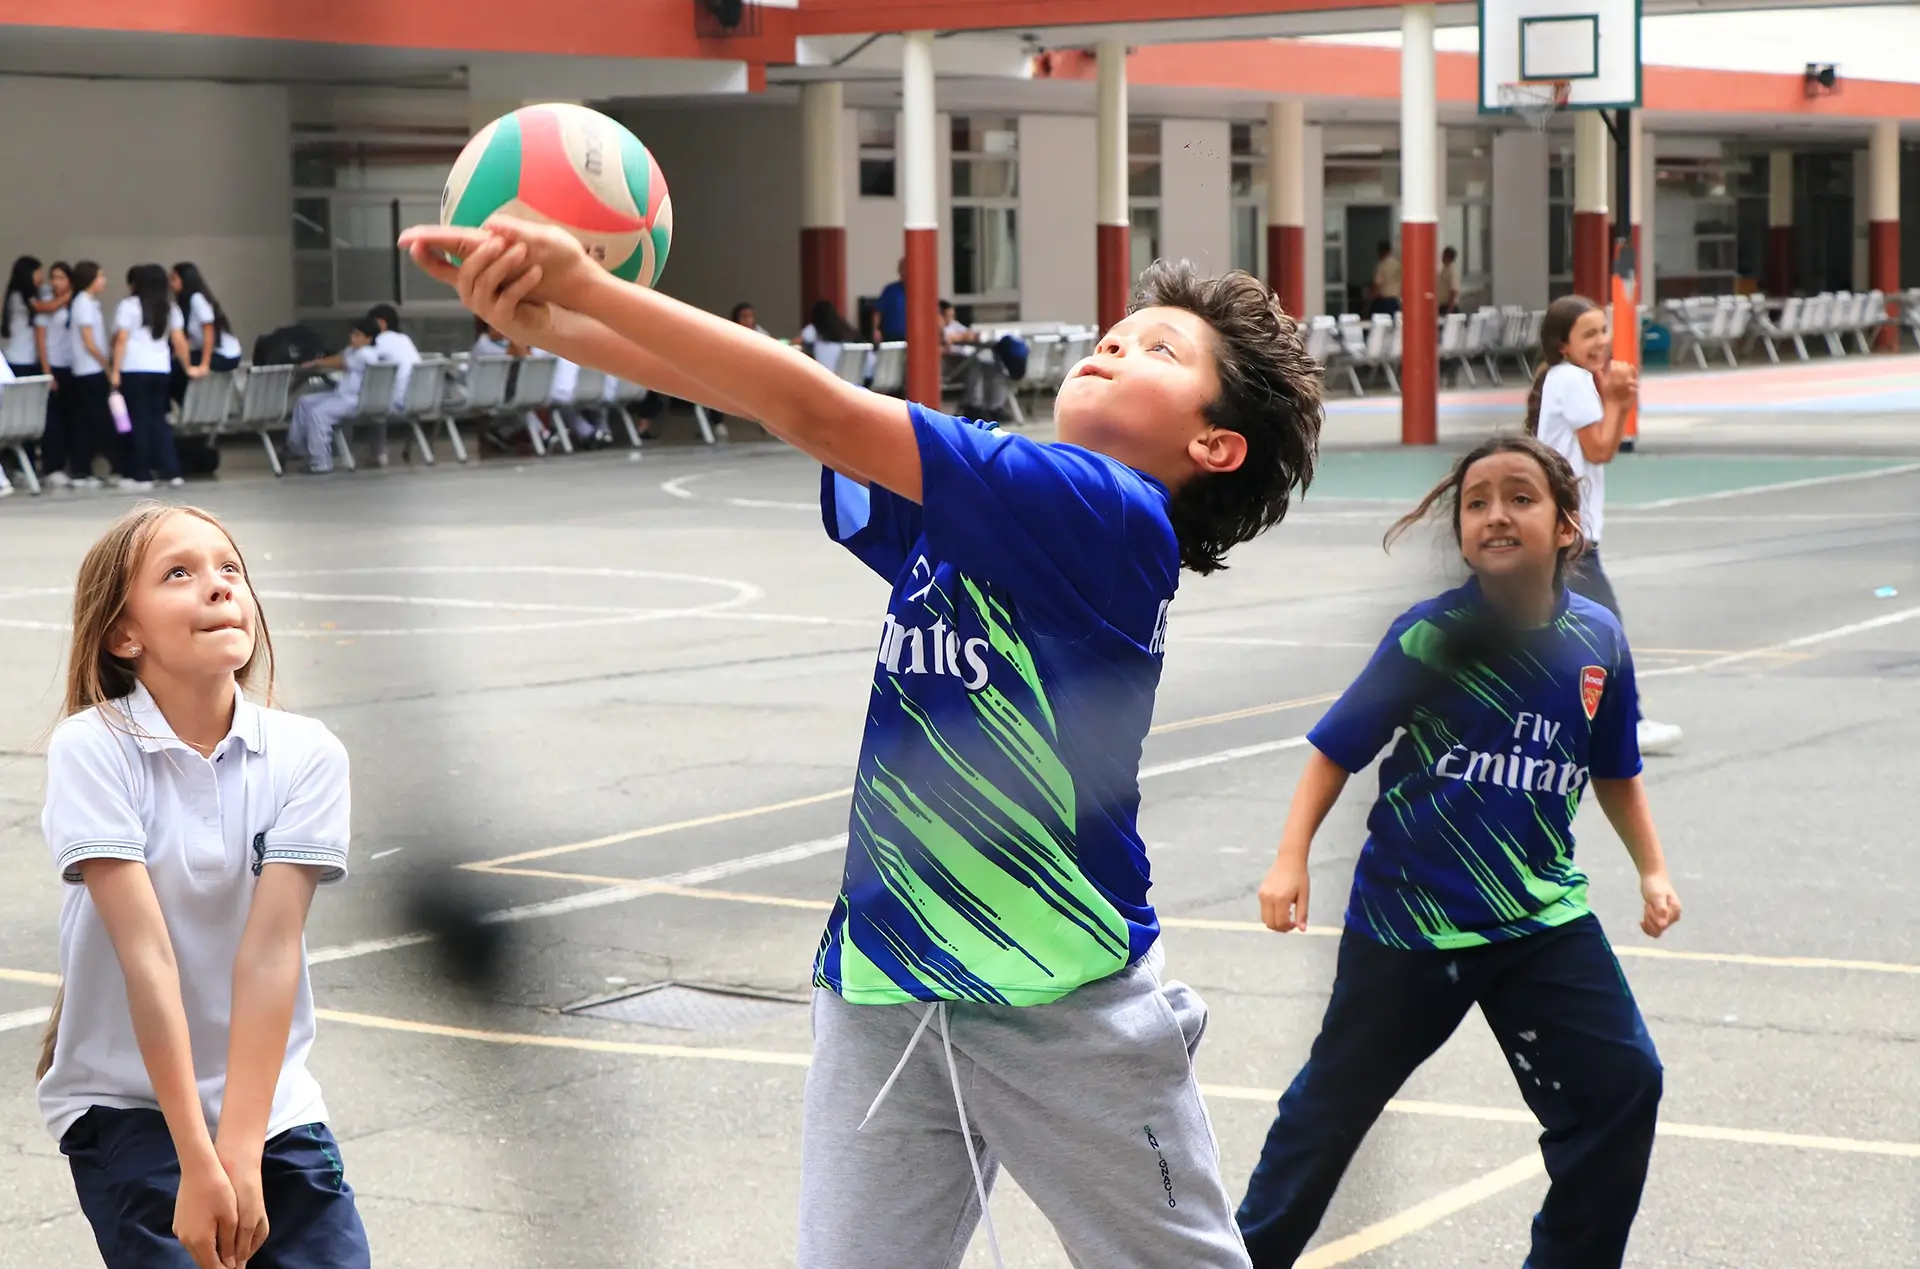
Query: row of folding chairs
1350	345
441	393
1730	324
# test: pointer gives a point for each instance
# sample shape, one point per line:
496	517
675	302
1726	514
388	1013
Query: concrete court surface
603	671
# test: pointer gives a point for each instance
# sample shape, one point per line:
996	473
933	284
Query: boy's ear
1217	451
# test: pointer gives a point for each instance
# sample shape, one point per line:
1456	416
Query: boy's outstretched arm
536	279
1625	802
1283	895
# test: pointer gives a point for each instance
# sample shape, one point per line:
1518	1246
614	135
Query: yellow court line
1418	1217
771	1057
1252	711
29	976
656	830
725	817
1222	925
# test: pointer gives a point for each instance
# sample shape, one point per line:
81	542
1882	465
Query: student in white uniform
190	827
1578	407
6	376
66	448
89	421
210	337
148	335
395	347
16	317
316	414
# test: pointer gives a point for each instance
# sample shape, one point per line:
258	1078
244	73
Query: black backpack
288	346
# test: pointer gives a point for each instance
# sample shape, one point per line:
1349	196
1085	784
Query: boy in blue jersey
996	884
1511	695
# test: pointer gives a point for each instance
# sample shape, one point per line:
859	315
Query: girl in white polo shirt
16	317
87	413
148	333
210	337
192	827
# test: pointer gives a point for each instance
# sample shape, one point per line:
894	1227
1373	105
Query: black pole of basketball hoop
1625	266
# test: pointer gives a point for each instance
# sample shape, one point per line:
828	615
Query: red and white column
1592	228
1287	204
1419	214
823	198
1115	235
1779	279
1883	220
919	156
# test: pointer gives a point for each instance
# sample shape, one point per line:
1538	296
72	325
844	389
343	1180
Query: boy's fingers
501	271
517	293
446	239
434	265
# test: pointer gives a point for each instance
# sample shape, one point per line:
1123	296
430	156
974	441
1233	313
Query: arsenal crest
1593	682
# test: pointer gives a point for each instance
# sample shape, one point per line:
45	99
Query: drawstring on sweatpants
939	1009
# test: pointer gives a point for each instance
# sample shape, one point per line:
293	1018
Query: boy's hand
250	1204
1283	895
495	277
205	1214
1620	382
1662	904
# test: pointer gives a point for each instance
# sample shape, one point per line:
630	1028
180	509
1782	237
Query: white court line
1899	469
1804	641
25	1018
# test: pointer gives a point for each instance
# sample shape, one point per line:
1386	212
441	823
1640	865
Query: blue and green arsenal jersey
1471	840
993	853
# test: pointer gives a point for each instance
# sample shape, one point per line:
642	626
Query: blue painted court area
1633	480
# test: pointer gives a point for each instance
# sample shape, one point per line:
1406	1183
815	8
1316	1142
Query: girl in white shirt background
1579	407
210	337
148	334
16	317
191	827
63	455
89	421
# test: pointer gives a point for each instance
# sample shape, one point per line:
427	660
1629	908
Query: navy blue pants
128	1175
1563	1014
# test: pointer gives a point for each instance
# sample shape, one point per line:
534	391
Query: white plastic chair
266	407
23	419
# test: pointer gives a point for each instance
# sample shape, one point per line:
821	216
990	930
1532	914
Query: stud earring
134	651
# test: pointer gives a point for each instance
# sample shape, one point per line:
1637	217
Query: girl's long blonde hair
95	675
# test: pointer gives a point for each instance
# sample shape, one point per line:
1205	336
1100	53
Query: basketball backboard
1591	45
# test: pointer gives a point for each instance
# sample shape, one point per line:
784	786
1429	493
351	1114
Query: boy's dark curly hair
1269	393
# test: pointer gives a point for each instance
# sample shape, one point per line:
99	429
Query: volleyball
570	166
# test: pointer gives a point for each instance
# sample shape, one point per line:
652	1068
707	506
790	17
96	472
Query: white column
1286	163
1419	111
1520	159
1637	144
919	140
1110	203
1883	161
1646	169
823	194
1590	176
1780	189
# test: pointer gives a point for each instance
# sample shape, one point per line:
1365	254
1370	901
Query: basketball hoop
1535	100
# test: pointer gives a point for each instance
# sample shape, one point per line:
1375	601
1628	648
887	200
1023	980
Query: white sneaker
59	480
177	482
128	485
1658	737
6	491
88	482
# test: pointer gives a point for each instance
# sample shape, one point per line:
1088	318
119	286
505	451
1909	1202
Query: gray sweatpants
1089	1102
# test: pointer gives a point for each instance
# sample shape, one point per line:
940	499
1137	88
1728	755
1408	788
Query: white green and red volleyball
573	167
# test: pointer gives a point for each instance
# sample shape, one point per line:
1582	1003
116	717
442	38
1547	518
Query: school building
1023	157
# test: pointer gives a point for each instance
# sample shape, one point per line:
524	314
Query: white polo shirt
1570	401
120	785
59	339
84	313
21	349
200	317
399	349
146	353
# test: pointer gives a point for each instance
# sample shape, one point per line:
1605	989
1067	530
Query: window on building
1468	226
1560	223
877	141
353	193
1249	182
986	202
1143	193
1696	226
